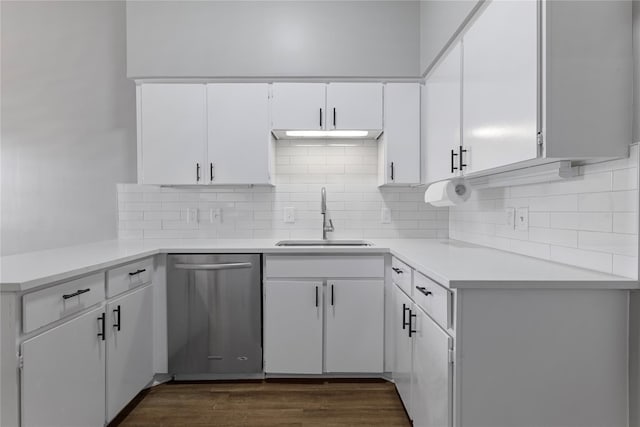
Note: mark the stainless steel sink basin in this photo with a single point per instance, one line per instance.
(324, 243)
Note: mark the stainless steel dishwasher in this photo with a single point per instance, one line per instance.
(214, 315)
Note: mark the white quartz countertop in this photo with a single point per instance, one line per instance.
(451, 263)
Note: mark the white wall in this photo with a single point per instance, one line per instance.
(590, 221)
(354, 201)
(68, 122)
(272, 38)
(440, 22)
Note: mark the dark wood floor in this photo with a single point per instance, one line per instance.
(273, 403)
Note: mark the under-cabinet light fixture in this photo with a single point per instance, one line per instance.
(327, 133)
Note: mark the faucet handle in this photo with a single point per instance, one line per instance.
(331, 225)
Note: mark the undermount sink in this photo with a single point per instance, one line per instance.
(324, 243)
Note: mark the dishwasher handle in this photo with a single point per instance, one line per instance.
(224, 266)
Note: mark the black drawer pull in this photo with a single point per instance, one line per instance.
(138, 272)
(424, 290)
(76, 293)
(397, 270)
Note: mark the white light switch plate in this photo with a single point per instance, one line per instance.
(215, 215)
(385, 216)
(289, 215)
(522, 219)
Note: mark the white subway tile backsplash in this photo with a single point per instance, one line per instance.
(589, 221)
(354, 201)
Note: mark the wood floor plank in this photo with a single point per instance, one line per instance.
(313, 403)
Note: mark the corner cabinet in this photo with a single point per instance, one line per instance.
(535, 87)
(399, 146)
(484, 356)
(314, 324)
(191, 134)
(63, 374)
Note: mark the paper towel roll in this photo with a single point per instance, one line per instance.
(447, 193)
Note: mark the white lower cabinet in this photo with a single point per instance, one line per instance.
(63, 374)
(402, 346)
(432, 377)
(129, 347)
(351, 313)
(293, 327)
(354, 314)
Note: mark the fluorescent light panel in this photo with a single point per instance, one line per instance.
(327, 133)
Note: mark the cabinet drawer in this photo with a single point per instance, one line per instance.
(50, 304)
(401, 275)
(308, 266)
(433, 299)
(129, 276)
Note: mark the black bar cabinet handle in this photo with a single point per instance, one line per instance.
(397, 270)
(211, 171)
(453, 154)
(460, 160)
(411, 330)
(320, 118)
(392, 178)
(76, 293)
(334, 116)
(404, 316)
(424, 290)
(316, 296)
(101, 332)
(133, 273)
(118, 322)
(198, 172)
(332, 299)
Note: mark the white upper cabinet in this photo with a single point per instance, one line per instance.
(239, 144)
(172, 130)
(500, 109)
(299, 106)
(399, 158)
(441, 112)
(538, 87)
(354, 106)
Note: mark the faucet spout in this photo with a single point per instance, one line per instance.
(323, 211)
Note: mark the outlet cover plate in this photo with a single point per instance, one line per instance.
(289, 215)
(385, 216)
(522, 219)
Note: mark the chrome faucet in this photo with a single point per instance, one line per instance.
(323, 210)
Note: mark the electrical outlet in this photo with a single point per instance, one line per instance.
(510, 218)
(522, 219)
(385, 216)
(289, 215)
(215, 215)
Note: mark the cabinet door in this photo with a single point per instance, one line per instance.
(500, 86)
(299, 106)
(355, 326)
(432, 379)
(441, 113)
(401, 138)
(173, 127)
(129, 348)
(239, 139)
(354, 106)
(293, 327)
(402, 359)
(63, 380)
